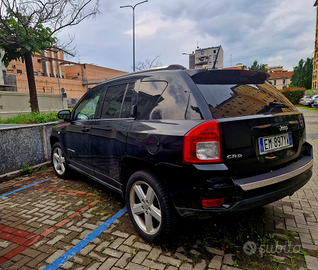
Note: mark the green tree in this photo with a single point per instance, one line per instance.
(27, 27)
(257, 67)
(302, 76)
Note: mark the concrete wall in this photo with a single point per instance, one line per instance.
(14, 103)
(28, 144)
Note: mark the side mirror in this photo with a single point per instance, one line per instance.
(64, 115)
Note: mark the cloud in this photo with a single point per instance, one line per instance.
(271, 32)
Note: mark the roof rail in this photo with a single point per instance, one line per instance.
(170, 67)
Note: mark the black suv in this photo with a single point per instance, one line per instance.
(184, 142)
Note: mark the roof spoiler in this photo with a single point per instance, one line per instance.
(219, 76)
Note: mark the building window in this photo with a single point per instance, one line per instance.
(215, 51)
(202, 52)
(10, 70)
(284, 82)
(19, 71)
(274, 82)
(35, 73)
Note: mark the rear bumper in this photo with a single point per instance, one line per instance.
(254, 191)
(297, 168)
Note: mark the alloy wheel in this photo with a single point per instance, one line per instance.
(145, 207)
(59, 161)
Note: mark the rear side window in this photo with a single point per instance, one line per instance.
(148, 96)
(176, 103)
(226, 100)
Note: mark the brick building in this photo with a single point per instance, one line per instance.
(52, 73)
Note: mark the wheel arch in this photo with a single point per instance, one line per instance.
(130, 165)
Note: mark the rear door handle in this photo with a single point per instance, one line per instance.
(85, 129)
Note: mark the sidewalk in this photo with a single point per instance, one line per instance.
(78, 224)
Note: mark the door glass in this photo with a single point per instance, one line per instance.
(113, 101)
(87, 107)
(130, 98)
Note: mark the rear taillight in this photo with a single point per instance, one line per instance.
(203, 144)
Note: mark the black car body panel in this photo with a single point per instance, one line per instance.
(139, 121)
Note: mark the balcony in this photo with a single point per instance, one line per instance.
(202, 60)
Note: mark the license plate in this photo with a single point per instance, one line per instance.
(274, 143)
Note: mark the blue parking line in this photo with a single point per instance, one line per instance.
(14, 191)
(60, 261)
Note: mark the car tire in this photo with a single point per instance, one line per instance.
(59, 161)
(312, 105)
(150, 207)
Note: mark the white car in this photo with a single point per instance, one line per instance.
(305, 100)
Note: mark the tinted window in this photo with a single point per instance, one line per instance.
(149, 94)
(86, 109)
(176, 104)
(244, 99)
(130, 98)
(113, 100)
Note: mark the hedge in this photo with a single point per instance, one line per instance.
(294, 94)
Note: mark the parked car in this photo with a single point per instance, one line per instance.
(190, 143)
(305, 100)
(315, 103)
(312, 101)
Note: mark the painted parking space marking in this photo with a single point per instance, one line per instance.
(64, 191)
(59, 262)
(19, 189)
(26, 239)
(8, 234)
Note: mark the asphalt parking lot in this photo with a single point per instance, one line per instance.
(50, 223)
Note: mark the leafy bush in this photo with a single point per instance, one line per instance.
(294, 94)
(311, 92)
(31, 118)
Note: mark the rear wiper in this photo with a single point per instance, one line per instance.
(277, 104)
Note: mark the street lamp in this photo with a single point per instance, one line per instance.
(133, 8)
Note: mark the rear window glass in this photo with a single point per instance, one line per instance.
(225, 100)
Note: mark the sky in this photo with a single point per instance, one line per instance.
(273, 32)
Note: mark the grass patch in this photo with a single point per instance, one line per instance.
(307, 108)
(31, 118)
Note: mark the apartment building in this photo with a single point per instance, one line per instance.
(281, 78)
(52, 73)
(205, 58)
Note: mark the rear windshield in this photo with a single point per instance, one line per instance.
(232, 100)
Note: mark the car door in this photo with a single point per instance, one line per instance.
(108, 134)
(77, 135)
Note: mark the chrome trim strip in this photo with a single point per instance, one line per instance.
(277, 179)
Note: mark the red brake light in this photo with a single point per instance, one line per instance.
(203, 144)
